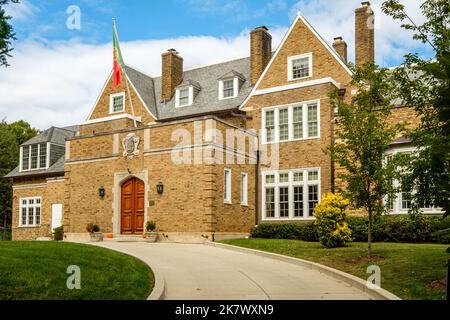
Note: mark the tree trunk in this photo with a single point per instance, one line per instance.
(369, 234)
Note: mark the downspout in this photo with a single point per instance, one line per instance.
(257, 188)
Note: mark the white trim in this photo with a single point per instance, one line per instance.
(227, 197)
(298, 85)
(100, 95)
(190, 96)
(30, 186)
(276, 109)
(38, 161)
(111, 118)
(244, 189)
(111, 102)
(20, 160)
(235, 88)
(286, 36)
(28, 206)
(290, 65)
(290, 184)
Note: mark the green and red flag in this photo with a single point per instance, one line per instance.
(119, 65)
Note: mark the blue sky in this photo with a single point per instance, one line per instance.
(139, 20)
(73, 64)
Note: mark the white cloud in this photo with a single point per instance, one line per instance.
(336, 18)
(22, 11)
(58, 83)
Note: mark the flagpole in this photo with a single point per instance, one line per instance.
(126, 79)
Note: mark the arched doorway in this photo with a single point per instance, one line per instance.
(132, 214)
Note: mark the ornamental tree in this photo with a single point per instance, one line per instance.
(363, 136)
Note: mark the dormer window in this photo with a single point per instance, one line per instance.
(186, 93)
(117, 103)
(34, 157)
(300, 67)
(183, 97)
(230, 84)
(228, 88)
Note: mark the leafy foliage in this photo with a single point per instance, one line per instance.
(6, 33)
(424, 85)
(12, 135)
(58, 234)
(398, 228)
(330, 214)
(150, 226)
(296, 231)
(363, 136)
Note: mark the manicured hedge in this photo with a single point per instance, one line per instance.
(399, 228)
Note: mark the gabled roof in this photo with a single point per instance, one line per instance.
(145, 88)
(53, 135)
(232, 74)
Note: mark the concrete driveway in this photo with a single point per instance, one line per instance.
(196, 271)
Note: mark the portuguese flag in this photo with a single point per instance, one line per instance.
(119, 65)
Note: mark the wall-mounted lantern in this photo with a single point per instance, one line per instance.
(101, 192)
(160, 188)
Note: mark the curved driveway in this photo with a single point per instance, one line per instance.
(196, 271)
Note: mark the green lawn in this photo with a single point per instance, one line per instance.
(37, 271)
(410, 271)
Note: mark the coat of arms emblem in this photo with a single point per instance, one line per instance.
(130, 146)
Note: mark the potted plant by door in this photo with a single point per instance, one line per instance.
(94, 231)
(151, 233)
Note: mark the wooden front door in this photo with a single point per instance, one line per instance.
(132, 207)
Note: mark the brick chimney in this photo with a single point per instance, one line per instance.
(364, 34)
(172, 73)
(260, 52)
(341, 48)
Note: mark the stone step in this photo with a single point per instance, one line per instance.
(124, 239)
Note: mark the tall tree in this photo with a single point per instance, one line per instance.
(12, 136)
(425, 86)
(7, 34)
(364, 134)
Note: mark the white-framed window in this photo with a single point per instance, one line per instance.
(402, 201)
(184, 96)
(300, 67)
(290, 194)
(117, 103)
(227, 186)
(244, 189)
(228, 88)
(299, 121)
(30, 212)
(34, 157)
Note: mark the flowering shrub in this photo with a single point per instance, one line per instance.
(330, 214)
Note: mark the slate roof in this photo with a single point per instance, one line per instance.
(207, 98)
(53, 135)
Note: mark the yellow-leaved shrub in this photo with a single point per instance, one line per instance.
(331, 214)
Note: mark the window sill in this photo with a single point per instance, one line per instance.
(287, 219)
(228, 98)
(227, 202)
(294, 140)
(29, 227)
(297, 79)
